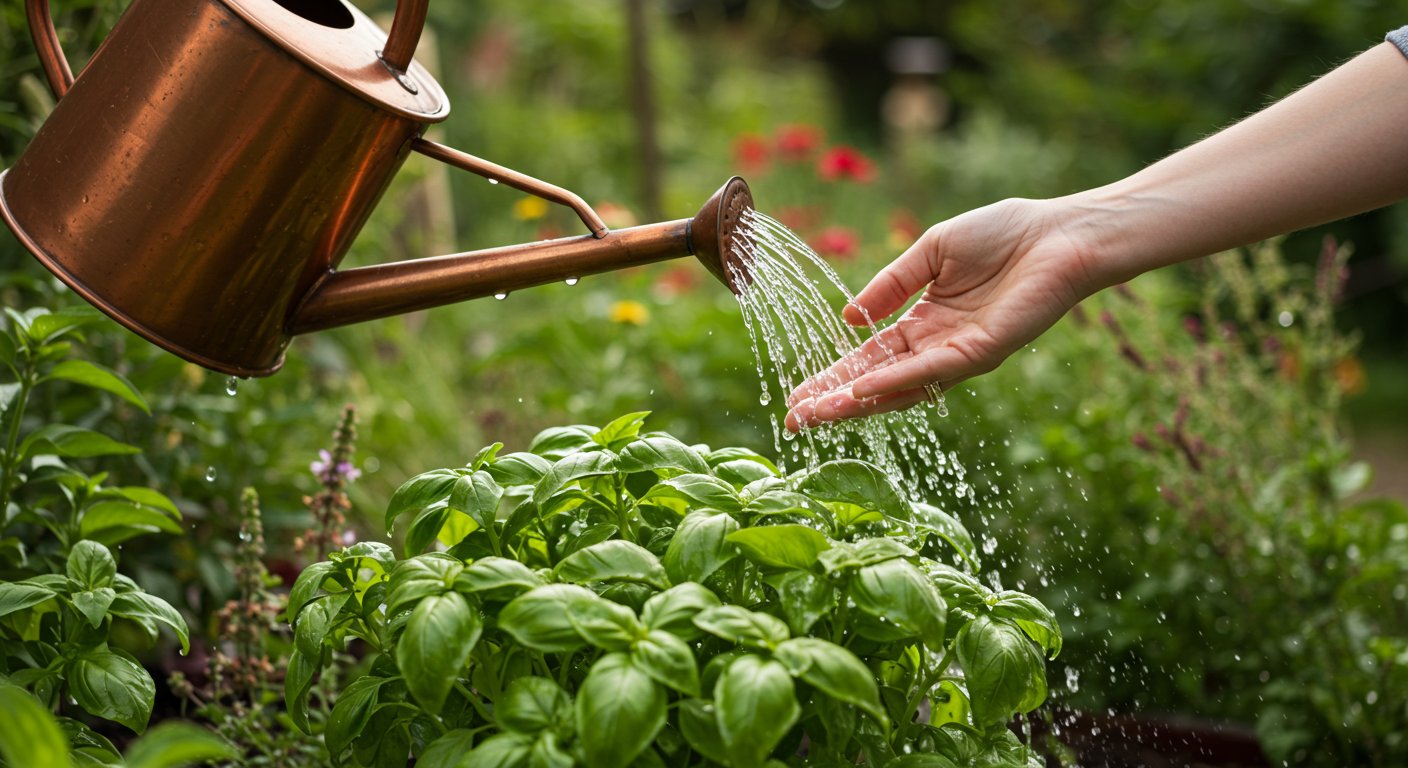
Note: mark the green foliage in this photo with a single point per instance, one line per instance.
(61, 595)
(668, 640)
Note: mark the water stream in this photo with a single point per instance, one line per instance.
(797, 333)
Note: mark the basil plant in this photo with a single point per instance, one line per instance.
(614, 597)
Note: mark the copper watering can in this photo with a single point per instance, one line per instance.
(204, 175)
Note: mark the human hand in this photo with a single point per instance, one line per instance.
(997, 277)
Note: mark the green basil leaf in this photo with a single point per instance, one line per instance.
(17, 597)
(668, 660)
(699, 491)
(314, 621)
(1004, 671)
(142, 607)
(349, 716)
(111, 685)
(573, 466)
(93, 604)
(100, 520)
(420, 492)
(308, 584)
(436, 645)
(805, 597)
(664, 455)
(519, 469)
(420, 577)
(674, 609)
(616, 560)
(426, 526)
(451, 750)
(878, 550)
(779, 501)
(921, 761)
(724, 455)
(949, 704)
(755, 705)
(486, 456)
(497, 578)
(546, 753)
(620, 431)
(835, 671)
(931, 519)
(477, 495)
(538, 618)
(700, 546)
(90, 565)
(781, 546)
(8, 392)
(72, 442)
(958, 588)
(860, 484)
(382, 558)
(741, 472)
(28, 734)
(700, 728)
(619, 710)
(557, 442)
(737, 624)
(898, 592)
(96, 376)
(1033, 618)
(590, 536)
(605, 624)
(503, 750)
(175, 744)
(298, 682)
(533, 704)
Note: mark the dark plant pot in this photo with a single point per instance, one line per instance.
(1154, 741)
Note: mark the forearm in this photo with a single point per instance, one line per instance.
(1335, 148)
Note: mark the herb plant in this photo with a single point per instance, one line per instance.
(613, 597)
(60, 590)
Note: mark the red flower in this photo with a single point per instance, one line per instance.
(677, 280)
(797, 142)
(837, 242)
(842, 162)
(750, 153)
(797, 217)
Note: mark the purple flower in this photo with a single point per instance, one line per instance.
(325, 470)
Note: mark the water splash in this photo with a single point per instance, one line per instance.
(796, 334)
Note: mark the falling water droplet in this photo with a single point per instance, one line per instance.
(571, 281)
(501, 295)
(232, 386)
(765, 398)
(210, 474)
(1285, 319)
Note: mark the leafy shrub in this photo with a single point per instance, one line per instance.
(612, 597)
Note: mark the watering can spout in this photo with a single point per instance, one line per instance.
(368, 293)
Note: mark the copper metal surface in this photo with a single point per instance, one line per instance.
(512, 178)
(46, 45)
(406, 27)
(197, 180)
(206, 172)
(368, 293)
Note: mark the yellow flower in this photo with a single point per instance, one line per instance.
(629, 313)
(530, 208)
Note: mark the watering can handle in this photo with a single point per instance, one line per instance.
(401, 42)
(46, 44)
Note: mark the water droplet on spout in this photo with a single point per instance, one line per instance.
(571, 280)
(501, 295)
(232, 386)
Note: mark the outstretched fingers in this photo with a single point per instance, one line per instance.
(842, 404)
(884, 348)
(894, 285)
(947, 363)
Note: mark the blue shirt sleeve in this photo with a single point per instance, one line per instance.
(1399, 37)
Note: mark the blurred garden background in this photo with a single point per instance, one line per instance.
(1203, 472)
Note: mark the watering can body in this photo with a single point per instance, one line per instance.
(203, 176)
(198, 178)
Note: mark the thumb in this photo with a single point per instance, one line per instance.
(897, 282)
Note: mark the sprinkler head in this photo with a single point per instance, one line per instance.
(713, 230)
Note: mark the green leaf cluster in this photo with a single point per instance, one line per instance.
(615, 597)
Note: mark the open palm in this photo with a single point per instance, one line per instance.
(996, 278)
